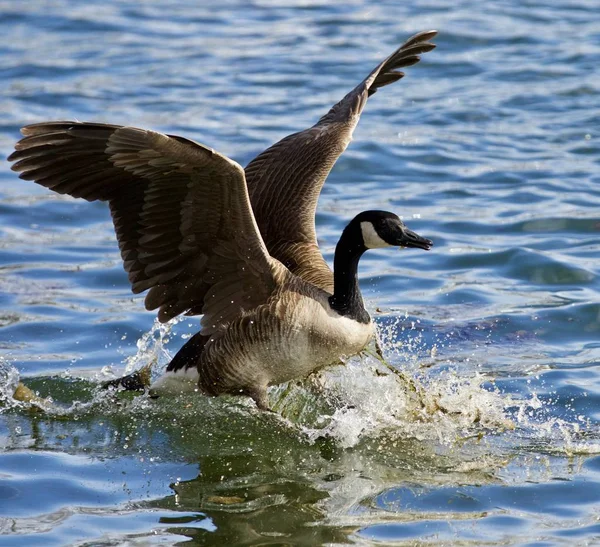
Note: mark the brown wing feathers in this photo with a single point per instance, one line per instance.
(285, 180)
(180, 210)
(406, 55)
(183, 221)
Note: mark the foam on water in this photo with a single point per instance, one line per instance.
(407, 398)
(9, 380)
(366, 398)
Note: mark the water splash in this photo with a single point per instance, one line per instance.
(366, 399)
(9, 380)
(408, 396)
(151, 349)
(417, 394)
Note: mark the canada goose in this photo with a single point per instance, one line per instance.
(203, 236)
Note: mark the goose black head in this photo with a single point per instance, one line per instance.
(384, 229)
(368, 230)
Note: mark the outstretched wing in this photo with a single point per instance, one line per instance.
(181, 213)
(284, 182)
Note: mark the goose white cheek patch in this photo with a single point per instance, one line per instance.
(371, 237)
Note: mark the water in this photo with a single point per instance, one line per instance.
(489, 434)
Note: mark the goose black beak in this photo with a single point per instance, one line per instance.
(411, 239)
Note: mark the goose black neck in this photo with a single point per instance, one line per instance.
(347, 299)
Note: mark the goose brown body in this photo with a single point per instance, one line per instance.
(205, 237)
(291, 336)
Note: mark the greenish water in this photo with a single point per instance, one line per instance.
(489, 433)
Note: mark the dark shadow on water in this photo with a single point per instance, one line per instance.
(259, 509)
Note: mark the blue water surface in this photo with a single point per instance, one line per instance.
(490, 147)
